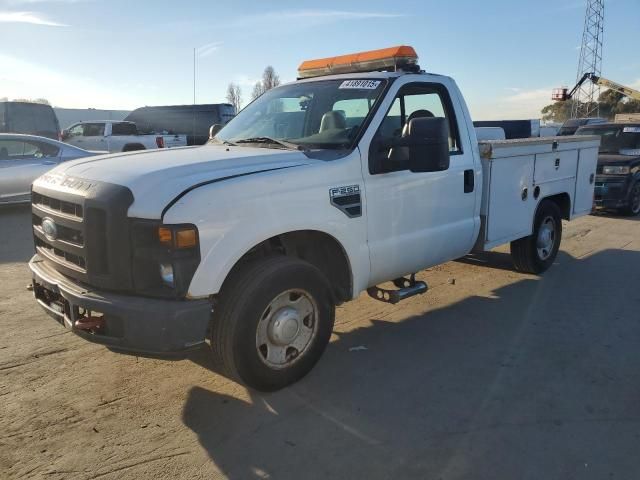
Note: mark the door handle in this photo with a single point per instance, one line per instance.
(469, 181)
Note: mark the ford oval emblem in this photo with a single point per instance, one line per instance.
(49, 228)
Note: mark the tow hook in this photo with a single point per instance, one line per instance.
(90, 324)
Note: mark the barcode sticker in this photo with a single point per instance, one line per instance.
(360, 84)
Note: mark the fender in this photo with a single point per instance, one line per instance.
(235, 215)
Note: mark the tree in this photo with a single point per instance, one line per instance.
(557, 112)
(270, 79)
(42, 101)
(234, 96)
(610, 103)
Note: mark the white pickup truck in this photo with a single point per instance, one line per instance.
(317, 191)
(113, 136)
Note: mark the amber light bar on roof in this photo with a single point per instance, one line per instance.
(394, 58)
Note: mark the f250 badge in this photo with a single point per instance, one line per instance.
(347, 199)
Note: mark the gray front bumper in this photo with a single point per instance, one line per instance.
(131, 323)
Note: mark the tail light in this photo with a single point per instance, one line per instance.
(160, 142)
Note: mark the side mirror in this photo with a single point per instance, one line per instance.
(64, 135)
(214, 129)
(428, 143)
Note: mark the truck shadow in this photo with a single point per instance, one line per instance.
(616, 215)
(490, 259)
(16, 239)
(493, 386)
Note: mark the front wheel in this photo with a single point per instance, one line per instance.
(537, 252)
(272, 323)
(633, 208)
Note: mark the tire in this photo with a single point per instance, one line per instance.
(133, 147)
(528, 255)
(633, 208)
(260, 306)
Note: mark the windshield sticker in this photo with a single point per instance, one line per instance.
(631, 130)
(360, 84)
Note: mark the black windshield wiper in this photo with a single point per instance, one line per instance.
(223, 142)
(271, 141)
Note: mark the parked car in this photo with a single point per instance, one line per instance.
(117, 137)
(23, 158)
(29, 118)
(569, 127)
(317, 191)
(618, 173)
(190, 120)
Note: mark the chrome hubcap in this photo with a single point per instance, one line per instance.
(546, 238)
(286, 329)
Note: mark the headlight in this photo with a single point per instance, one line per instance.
(166, 273)
(165, 258)
(615, 170)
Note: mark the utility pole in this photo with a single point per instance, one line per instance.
(193, 130)
(585, 100)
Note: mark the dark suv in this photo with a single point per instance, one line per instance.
(618, 173)
(29, 118)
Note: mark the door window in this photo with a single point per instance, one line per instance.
(75, 131)
(93, 129)
(123, 128)
(415, 100)
(26, 150)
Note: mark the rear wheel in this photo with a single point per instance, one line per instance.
(633, 208)
(537, 252)
(272, 323)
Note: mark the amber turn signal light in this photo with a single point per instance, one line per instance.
(165, 235)
(186, 238)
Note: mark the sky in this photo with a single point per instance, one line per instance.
(505, 55)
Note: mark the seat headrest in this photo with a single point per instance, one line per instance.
(332, 120)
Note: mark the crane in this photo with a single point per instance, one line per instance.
(563, 94)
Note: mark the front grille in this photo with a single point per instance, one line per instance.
(55, 205)
(84, 234)
(59, 255)
(67, 246)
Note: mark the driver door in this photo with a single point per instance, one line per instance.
(417, 220)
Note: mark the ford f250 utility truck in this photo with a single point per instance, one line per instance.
(363, 172)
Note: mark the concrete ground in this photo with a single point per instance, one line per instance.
(491, 375)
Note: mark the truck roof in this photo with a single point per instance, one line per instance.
(364, 75)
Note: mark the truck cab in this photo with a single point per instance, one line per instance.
(618, 175)
(354, 178)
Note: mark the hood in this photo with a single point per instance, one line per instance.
(617, 159)
(157, 177)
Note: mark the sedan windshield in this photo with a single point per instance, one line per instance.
(327, 114)
(615, 139)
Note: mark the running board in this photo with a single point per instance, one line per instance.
(407, 287)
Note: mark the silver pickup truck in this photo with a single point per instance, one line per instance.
(118, 137)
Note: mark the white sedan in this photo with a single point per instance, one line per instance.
(23, 158)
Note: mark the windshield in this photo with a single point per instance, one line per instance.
(326, 114)
(615, 139)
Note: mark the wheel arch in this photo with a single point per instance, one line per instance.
(562, 200)
(133, 147)
(318, 248)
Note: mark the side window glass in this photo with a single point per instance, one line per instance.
(93, 129)
(75, 131)
(11, 150)
(20, 150)
(354, 110)
(123, 129)
(413, 101)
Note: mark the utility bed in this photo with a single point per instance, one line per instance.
(518, 172)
